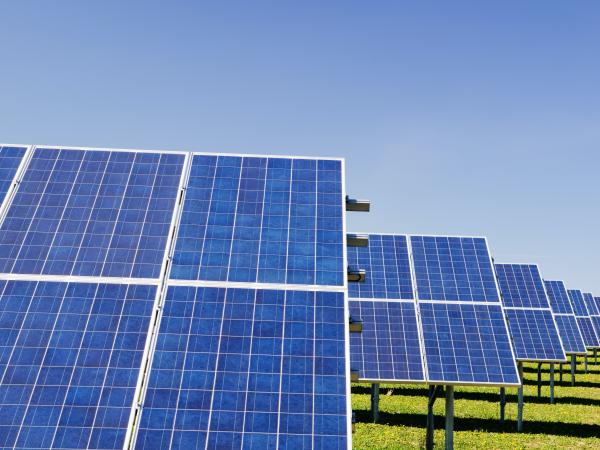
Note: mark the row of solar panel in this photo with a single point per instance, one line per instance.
(108, 213)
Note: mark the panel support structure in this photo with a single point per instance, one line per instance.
(552, 383)
(502, 404)
(375, 402)
(560, 369)
(539, 380)
(520, 400)
(449, 442)
(434, 391)
(573, 364)
(585, 363)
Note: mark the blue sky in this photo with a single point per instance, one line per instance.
(454, 117)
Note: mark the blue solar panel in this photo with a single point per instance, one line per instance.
(386, 262)
(246, 368)
(96, 213)
(273, 220)
(10, 159)
(70, 357)
(570, 334)
(587, 331)
(521, 286)
(590, 304)
(535, 335)
(467, 343)
(576, 297)
(453, 268)
(388, 348)
(559, 299)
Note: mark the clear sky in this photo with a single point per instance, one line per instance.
(454, 117)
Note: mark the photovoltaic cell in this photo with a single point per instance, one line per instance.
(467, 343)
(247, 368)
(70, 357)
(535, 335)
(386, 262)
(252, 219)
(95, 213)
(569, 333)
(521, 286)
(453, 268)
(388, 347)
(558, 296)
(10, 159)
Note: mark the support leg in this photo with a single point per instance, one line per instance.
(520, 401)
(502, 404)
(552, 383)
(585, 363)
(430, 417)
(375, 402)
(539, 379)
(560, 368)
(595, 356)
(573, 363)
(449, 443)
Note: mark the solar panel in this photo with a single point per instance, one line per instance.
(250, 317)
(559, 298)
(465, 334)
(594, 313)
(272, 220)
(534, 333)
(92, 213)
(570, 334)
(584, 321)
(388, 348)
(576, 297)
(70, 355)
(248, 368)
(10, 159)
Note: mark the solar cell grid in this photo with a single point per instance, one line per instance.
(590, 304)
(570, 334)
(576, 297)
(386, 261)
(559, 298)
(388, 348)
(587, 331)
(535, 335)
(251, 219)
(521, 286)
(10, 159)
(70, 355)
(453, 268)
(247, 368)
(94, 213)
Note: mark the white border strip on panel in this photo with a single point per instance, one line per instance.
(254, 285)
(150, 345)
(18, 177)
(78, 279)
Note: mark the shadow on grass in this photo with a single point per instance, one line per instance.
(566, 371)
(511, 396)
(486, 425)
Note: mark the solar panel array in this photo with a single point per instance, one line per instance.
(594, 313)
(156, 299)
(564, 315)
(533, 329)
(584, 320)
(459, 325)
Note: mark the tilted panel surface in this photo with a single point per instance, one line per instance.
(97, 213)
(246, 368)
(576, 297)
(262, 219)
(559, 298)
(569, 333)
(70, 356)
(388, 347)
(10, 159)
(590, 304)
(386, 262)
(534, 334)
(521, 286)
(587, 331)
(453, 268)
(467, 343)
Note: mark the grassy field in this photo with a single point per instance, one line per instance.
(572, 422)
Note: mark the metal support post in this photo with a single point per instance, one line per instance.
(375, 402)
(502, 404)
(552, 383)
(561, 371)
(449, 442)
(585, 363)
(433, 391)
(573, 364)
(539, 380)
(520, 400)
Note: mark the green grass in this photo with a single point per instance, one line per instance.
(572, 422)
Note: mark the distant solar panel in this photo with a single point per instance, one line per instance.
(558, 296)
(464, 330)
(587, 331)
(10, 159)
(570, 334)
(453, 268)
(594, 313)
(386, 261)
(388, 348)
(247, 368)
(576, 297)
(272, 220)
(535, 335)
(96, 213)
(70, 355)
